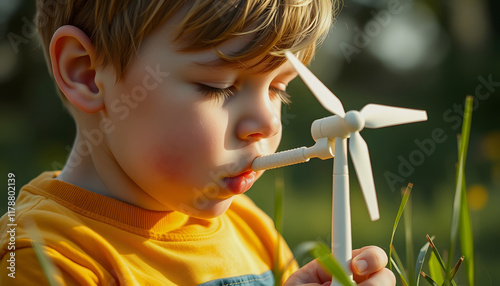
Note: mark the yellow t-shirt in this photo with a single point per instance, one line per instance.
(96, 240)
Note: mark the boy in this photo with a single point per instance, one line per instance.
(172, 100)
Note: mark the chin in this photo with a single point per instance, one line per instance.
(213, 209)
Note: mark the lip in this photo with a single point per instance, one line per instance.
(240, 183)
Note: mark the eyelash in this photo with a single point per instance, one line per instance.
(225, 93)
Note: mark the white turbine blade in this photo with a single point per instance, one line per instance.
(327, 99)
(361, 161)
(377, 115)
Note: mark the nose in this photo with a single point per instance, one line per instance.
(260, 117)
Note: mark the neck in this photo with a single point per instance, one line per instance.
(97, 171)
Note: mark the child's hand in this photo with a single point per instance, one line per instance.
(368, 267)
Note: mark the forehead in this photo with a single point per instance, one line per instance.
(210, 57)
(165, 40)
(243, 50)
(258, 65)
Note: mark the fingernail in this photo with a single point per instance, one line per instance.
(360, 266)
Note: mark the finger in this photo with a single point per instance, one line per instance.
(383, 277)
(367, 260)
(356, 252)
(312, 273)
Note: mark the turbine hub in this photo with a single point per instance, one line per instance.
(354, 121)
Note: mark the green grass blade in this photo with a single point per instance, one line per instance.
(420, 262)
(466, 237)
(446, 281)
(304, 248)
(398, 265)
(402, 206)
(321, 251)
(455, 269)
(403, 280)
(435, 269)
(48, 267)
(429, 279)
(324, 256)
(436, 253)
(462, 155)
(410, 267)
(279, 190)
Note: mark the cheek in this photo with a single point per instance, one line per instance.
(187, 150)
(174, 159)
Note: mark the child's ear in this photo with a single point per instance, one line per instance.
(74, 67)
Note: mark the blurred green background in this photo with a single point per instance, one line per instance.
(417, 54)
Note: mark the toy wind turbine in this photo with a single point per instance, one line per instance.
(332, 133)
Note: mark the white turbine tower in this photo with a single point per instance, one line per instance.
(332, 133)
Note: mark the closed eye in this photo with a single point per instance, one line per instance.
(214, 92)
(282, 95)
(225, 93)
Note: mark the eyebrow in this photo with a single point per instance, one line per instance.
(217, 64)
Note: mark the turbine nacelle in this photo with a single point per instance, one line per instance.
(337, 127)
(354, 121)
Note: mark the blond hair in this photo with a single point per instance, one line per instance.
(117, 28)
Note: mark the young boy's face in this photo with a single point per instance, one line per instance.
(186, 133)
